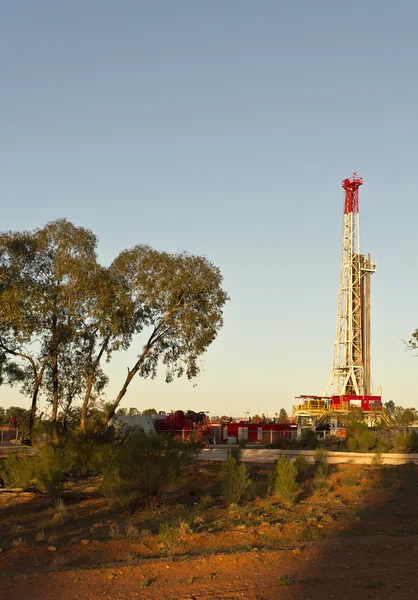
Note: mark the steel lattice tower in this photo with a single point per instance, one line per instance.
(351, 370)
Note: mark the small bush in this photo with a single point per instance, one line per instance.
(235, 452)
(47, 432)
(411, 441)
(144, 469)
(384, 445)
(60, 510)
(206, 501)
(169, 538)
(283, 480)
(351, 444)
(79, 450)
(377, 460)
(17, 470)
(49, 469)
(286, 580)
(257, 489)
(301, 466)
(321, 470)
(235, 481)
(367, 440)
(404, 443)
(309, 439)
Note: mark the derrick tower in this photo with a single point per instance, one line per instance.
(351, 369)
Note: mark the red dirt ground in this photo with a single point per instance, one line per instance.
(356, 538)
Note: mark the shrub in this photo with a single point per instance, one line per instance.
(257, 489)
(367, 440)
(351, 444)
(411, 441)
(79, 449)
(169, 537)
(206, 501)
(283, 480)
(309, 439)
(235, 481)
(47, 432)
(384, 445)
(17, 469)
(236, 452)
(301, 466)
(377, 460)
(49, 469)
(321, 470)
(144, 469)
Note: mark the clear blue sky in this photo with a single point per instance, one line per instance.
(225, 127)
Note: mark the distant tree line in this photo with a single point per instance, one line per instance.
(63, 315)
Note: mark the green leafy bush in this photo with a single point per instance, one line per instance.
(143, 470)
(377, 460)
(309, 439)
(17, 469)
(235, 452)
(49, 468)
(367, 441)
(283, 480)
(351, 444)
(78, 453)
(47, 432)
(169, 538)
(321, 470)
(405, 443)
(384, 445)
(301, 466)
(235, 481)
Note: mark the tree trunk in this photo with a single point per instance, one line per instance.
(37, 384)
(84, 407)
(33, 406)
(121, 394)
(54, 370)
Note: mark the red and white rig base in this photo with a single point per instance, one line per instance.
(349, 386)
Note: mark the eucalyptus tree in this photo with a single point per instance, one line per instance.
(177, 302)
(46, 295)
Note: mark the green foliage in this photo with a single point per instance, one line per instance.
(179, 302)
(149, 412)
(17, 469)
(351, 444)
(283, 480)
(169, 538)
(49, 470)
(355, 424)
(390, 406)
(384, 445)
(47, 432)
(235, 452)
(404, 417)
(22, 416)
(286, 580)
(309, 439)
(283, 416)
(321, 468)
(367, 440)
(301, 466)
(377, 460)
(79, 450)
(144, 469)
(241, 443)
(235, 481)
(405, 443)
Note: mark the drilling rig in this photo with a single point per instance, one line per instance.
(349, 387)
